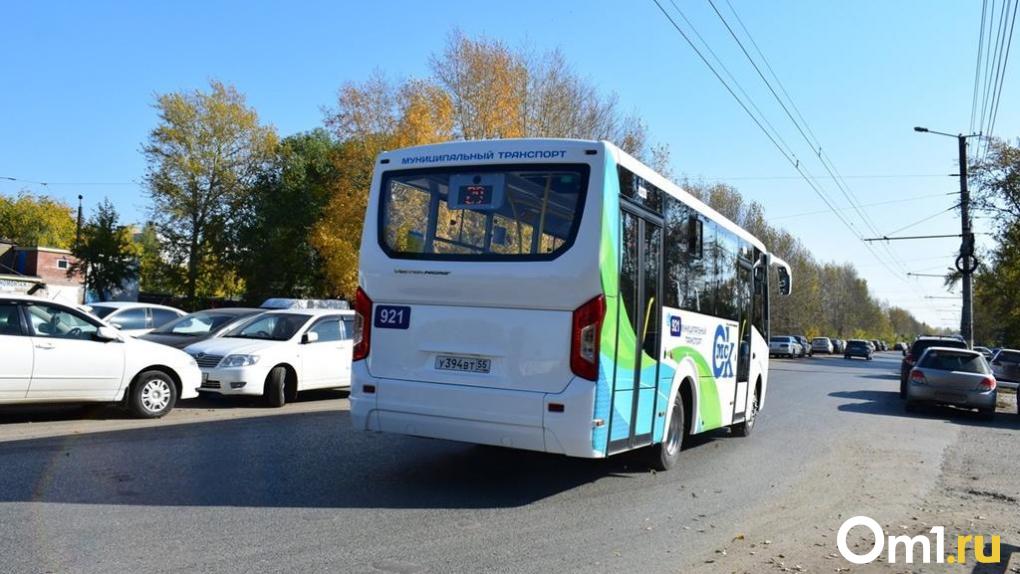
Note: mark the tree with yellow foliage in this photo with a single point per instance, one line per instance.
(479, 89)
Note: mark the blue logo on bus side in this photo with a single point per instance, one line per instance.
(675, 326)
(722, 358)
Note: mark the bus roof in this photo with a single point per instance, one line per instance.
(548, 149)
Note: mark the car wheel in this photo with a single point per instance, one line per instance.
(153, 395)
(910, 406)
(665, 455)
(903, 390)
(847, 357)
(987, 414)
(747, 427)
(275, 394)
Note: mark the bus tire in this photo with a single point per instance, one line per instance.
(665, 455)
(275, 393)
(747, 427)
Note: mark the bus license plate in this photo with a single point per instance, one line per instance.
(465, 364)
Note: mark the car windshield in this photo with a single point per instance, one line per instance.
(271, 326)
(858, 344)
(197, 324)
(779, 340)
(101, 311)
(1008, 357)
(820, 340)
(482, 212)
(965, 362)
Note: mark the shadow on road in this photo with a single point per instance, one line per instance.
(889, 403)
(38, 413)
(1006, 552)
(304, 460)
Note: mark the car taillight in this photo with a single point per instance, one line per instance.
(909, 358)
(918, 377)
(362, 325)
(584, 338)
(987, 385)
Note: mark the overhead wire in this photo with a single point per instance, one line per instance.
(812, 141)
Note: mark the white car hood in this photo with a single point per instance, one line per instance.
(229, 346)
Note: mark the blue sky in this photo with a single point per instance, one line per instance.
(79, 80)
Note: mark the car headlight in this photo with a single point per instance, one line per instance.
(239, 360)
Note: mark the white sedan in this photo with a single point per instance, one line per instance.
(134, 318)
(57, 353)
(279, 353)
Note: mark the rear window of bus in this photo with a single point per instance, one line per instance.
(482, 212)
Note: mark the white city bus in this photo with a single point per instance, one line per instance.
(557, 296)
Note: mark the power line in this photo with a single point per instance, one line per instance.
(812, 141)
(861, 176)
(790, 157)
(926, 219)
(69, 183)
(1005, 60)
(890, 202)
(977, 68)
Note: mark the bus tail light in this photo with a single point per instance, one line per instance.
(362, 325)
(585, 336)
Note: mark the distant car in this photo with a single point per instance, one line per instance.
(805, 346)
(985, 351)
(199, 326)
(58, 353)
(920, 345)
(1006, 367)
(858, 348)
(821, 345)
(279, 353)
(784, 346)
(875, 346)
(954, 376)
(838, 346)
(900, 347)
(134, 318)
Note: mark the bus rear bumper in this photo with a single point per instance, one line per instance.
(499, 417)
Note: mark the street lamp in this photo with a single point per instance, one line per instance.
(966, 263)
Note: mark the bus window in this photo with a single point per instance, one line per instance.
(537, 210)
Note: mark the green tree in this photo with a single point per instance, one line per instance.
(997, 282)
(36, 221)
(105, 255)
(154, 276)
(204, 158)
(275, 255)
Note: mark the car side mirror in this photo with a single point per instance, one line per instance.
(309, 337)
(107, 334)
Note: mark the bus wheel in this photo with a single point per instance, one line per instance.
(665, 455)
(747, 427)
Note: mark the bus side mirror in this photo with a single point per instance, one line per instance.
(784, 281)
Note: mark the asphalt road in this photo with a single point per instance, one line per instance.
(225, 487)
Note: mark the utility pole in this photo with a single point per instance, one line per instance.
(966, 263)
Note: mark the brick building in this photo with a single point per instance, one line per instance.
(41, 270)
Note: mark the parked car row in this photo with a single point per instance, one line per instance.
(61, 353)
(798, 346)
(945, 370)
